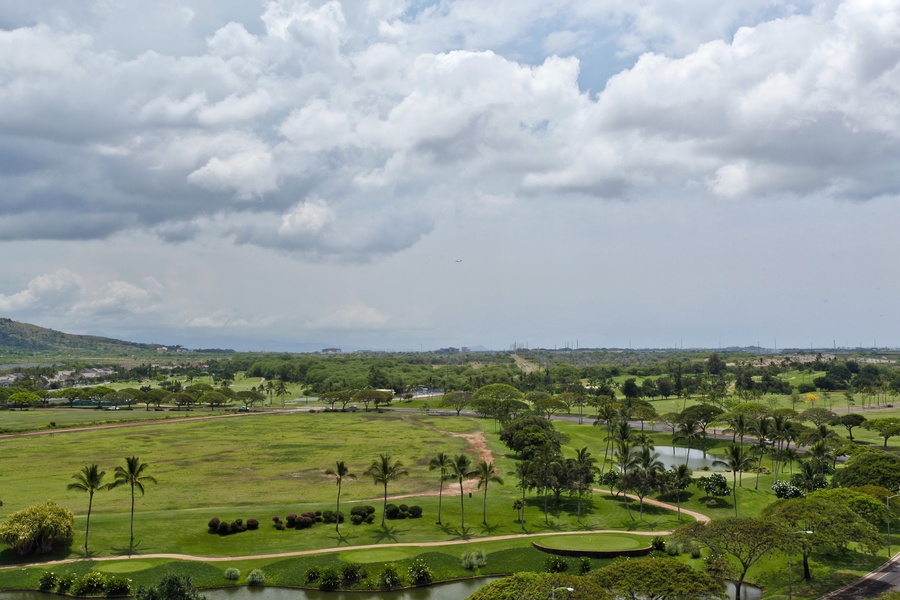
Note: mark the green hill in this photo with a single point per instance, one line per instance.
(23, 337)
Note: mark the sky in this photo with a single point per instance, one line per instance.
(289, 175)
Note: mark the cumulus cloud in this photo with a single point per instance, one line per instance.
(346, 129)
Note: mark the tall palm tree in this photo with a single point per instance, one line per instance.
(762, 428)
(523, 473)
(688, 431)
(441, 461)
(607, 414)
(486, 472)
(582, 472)
(680, 478)
(339, 472)
(383, 471)
(736, 459)
(460, 470)
(646, 474)
(132, 475)
(281, 390)
(89, 479)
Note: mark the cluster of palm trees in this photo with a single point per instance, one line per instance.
(385, 470)
(90, 479)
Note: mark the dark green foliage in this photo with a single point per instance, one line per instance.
(420, 573)
(525, 585)
(117, 585)
(213, 525)
(389, 579)
(556, 564)
(313, 573)
(48, 581)
(256, 577)
(90, 584)
(872, 467)
(655, 577)
(329, 579)
(584, 565)
(171, 587)
(38, 529)
(352, 573)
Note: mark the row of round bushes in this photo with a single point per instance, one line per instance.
(215, 525)
(330, 578)
(392, 511)
(89, 584)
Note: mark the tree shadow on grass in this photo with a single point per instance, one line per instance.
(489, 529)
(456, 533)
(386, 534)
(127, 550)
(340, 539)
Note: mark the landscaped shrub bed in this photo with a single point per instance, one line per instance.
(220, 527)
(392, 511)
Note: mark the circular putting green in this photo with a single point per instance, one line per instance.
(376, 555)
(607, 542)
(128, 566)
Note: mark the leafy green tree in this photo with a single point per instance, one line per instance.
(831, 522)
(656, 578)
(89, 479)
(368, 396)
(213, 399)
(383, 470)
(441, 462)
(461, 469)
(849, 421)
(744, 538)
(737, 459)
(281, 390)
(339, 472)
(887, 427)
(549, 406)
(486, 473)
(689, 433)
(133, 475)
(871, 467)
(38, 529)
(456, 400)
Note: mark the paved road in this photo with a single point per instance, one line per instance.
(871, 585)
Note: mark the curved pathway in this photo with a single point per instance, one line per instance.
(696, 515)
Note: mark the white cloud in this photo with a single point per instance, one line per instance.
(53, 291)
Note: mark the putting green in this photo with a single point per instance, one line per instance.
(376, 555)
(125, 566)
(594, 541)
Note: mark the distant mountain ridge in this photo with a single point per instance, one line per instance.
(31, 338)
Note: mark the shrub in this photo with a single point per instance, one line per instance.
(313, 573)
(237, 526)
(170, 586)
(415, 511)
(276, 519)
(279, 526)
(290, 520)
(404, 508)
(224, 528)
(363, 511)
(48, 581)
(329, 579)
(785, 489)
(584, 565)
(256, 577)
(695, 552)
(658, 543)
(672, 549)
(556, 564)
(473, 559)
(232, 574)
(303, 523)
(370, 519)
(213, 525)
(389, 578)
(318, 513)
(329, 516)
(352, 573)
(356, 519)
(116, 585)
(38, 529)
(66, 581)
(252, 524)
(391, 511)
(90, 584)
(420, 573)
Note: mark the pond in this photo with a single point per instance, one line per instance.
(672, 455)
(442, 591)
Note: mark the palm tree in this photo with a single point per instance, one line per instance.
(762, 428)
(606, 413)
(523, 473)
(281, 390)
(646, 474)
(461, 469)
(688, 431)
(736, 459)
(679, 479)
(441, 461)
(583, 471)
(383, 471)
(132, 475)
(486, 472)
(339, 472)
(89, 479)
